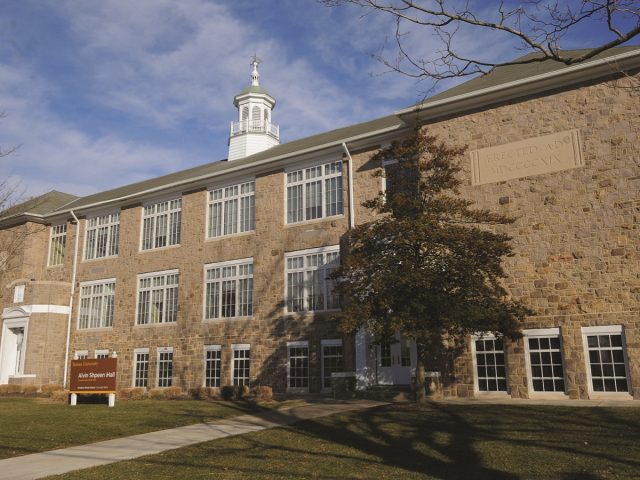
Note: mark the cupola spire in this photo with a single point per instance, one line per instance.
(255, 76)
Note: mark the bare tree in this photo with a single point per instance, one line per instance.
(7, 151)
(536, 26)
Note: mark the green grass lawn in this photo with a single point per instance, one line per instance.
(403, 442)
(29, 425)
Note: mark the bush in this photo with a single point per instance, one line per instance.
(47, 390)
(29, 390)
(262, 393)
(198, 393)
(10, 389)
(61, 396)
(213, 393)
(136, 393)
(157, 393)
(234, 392)
(173, 393)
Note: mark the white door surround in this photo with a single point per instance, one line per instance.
(13, 345)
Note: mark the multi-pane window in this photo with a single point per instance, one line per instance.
(57, 244)
(102, 354)
(96, 304)
(232, 210)
(165, 366)
(102, 236)
(308, 284)
(161, 224)
(81, 354)
(241, 364)
(298, 371)
(158, 297)
(212, 365)
(331, 360)
(545, 361)
(314, 192)
(141, 367)
(385, 354)
(607, 366)
(490, 364)
(229, 289)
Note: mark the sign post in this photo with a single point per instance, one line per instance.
(94, 376)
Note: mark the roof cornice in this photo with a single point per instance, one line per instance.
(527, 86)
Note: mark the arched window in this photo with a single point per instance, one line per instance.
(255, 114)
(266, 115)
(245, 113)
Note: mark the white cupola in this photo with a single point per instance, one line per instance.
(253, 132)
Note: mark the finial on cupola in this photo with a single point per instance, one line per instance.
(255, 76)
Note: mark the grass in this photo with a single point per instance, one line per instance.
(29, 425)
(440, 442)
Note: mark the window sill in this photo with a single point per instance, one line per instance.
(227, 319)
(23, 375)
(56, 266)
(159, 249)
(314, 221)
(91, 260)
(152, 325)
(93, 330)
(610, 395)
(297, 390)
(312, 312)
(229, 236)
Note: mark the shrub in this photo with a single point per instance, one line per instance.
(29, 390)
(197, 393)
(136, 393)
(10, 389)
(242, 392)
(173, 393)
(213, 393)
(157, 393)
(47, 390)
(61, 396)
(262, 393)
(228, 392)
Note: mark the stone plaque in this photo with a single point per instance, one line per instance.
(534, 156)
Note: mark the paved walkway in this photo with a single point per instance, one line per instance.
(56, 462)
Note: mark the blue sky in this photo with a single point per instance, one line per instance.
(101, 93)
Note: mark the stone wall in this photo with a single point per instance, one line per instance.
(576, 244)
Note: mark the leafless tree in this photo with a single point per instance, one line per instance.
(534, 26)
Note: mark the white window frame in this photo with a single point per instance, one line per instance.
(159, 352)
(212, 348)
(92, 298)
(543, 333)
(302, 180)
(170, 210)
(102, 352)
(81, 355)
(325, 267)
(222, 196)
(337, 342)
(476, 385)
(110, 222)
(141, 351)
(383, 179)
(238, 278)
(235, 347)
(18, 294)
(298, 344)
(58, 233)
(605, 330)
(165, 303)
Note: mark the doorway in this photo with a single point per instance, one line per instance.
(396, 361)
(12, 348)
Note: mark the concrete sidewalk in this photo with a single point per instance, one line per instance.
(56, 462)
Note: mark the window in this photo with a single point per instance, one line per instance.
(400, 178)
(212, 365)
(102, 236)
(18, 294)
(490, 364)
(229, 289)
(96, 304)
(241, 364)
(331, 360)
(158, 297)
(232, 210)
(298, 366)
(385, 353)
(81, 354)
(141, 373)
(545, 360)
(161, 224)
(308, 284)
(314, 192)
(102, 353)
(57, 245)
(165, 366)
(605, 357)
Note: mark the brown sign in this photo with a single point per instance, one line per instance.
(93, 376)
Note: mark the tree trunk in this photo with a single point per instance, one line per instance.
(421, 384)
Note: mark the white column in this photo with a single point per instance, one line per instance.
(361, 360)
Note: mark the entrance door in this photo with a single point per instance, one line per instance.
(12, 349)
(395, 361)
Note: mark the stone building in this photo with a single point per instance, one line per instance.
(218, 274)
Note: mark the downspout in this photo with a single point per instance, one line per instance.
(73, 288)
(352, 219)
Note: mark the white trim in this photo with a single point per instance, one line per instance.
(604, 330)
(102, 297)
(166, 198)
(205, 350)
(18, 293)
(541, 332)
(101, 351)
(298, 344)
(80, 353)
(208, 203)
(476, 386)
(160, 351)
(611, 329)
(544, 333)
(109, 227)
(26, 310)
(140, 276)
(240, 346)
(164, 349)
(332, 342)
(301, 343)
(211, 348)
(325, 249)
(337, 342)
(207, 266)
(15, 322)
(141, 350)
(58, 235)
(136, 351)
